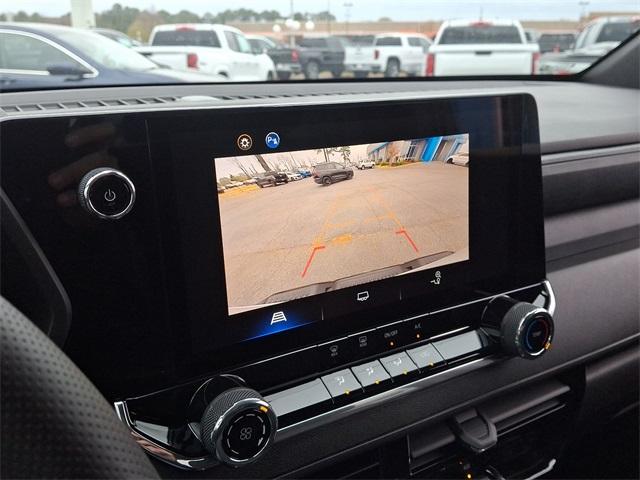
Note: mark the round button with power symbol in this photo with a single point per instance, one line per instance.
(106, 193)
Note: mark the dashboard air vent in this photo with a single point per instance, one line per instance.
(105, 103)
(27, 108)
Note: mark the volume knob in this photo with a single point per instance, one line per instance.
(521, 328)
(238, 426)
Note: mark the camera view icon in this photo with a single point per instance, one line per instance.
(362, 296)
(278, 317)
(272, 140)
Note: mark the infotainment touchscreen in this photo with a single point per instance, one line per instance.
(297, 224)
(292, 226)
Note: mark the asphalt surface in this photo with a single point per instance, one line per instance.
(301, 233)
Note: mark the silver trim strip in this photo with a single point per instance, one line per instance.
(544, 471)
(159, 451)
(551, 297)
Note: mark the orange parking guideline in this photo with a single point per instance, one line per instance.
(313, 254)
(409, 239)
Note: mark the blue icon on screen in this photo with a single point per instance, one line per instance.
(272, 140)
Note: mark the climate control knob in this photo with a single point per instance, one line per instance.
(106, 193)
(238, 426)
(521, 328)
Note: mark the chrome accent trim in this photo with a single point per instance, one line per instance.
(16, 71)
(446, 334)
(518, 337)
(159, 451)
(282, 355)
(93, 71)
(104, 172)
(544, 471)
(550, 304)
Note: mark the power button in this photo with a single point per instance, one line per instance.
(106, 193)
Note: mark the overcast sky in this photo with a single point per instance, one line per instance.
(416, 10)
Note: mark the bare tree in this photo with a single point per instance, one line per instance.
(263, 162)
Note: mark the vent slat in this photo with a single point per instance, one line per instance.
(119, 102)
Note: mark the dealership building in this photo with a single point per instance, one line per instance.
(417, 150)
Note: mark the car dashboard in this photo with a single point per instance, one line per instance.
(421, 318)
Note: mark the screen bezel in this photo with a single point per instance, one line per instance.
(505, 217)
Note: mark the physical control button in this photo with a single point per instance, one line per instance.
(335, 352)
(426, 357)
(459, 345)
(301, 398)
(342, 384)
(399, 365)
(363, 344)
(371, 374)
(237, 426)
(392, 336)
(521, 328)
(106, 193)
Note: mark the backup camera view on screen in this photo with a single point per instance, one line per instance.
(302, 223)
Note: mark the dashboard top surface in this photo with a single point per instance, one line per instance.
(573, 115)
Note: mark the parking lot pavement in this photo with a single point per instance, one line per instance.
(301, 233)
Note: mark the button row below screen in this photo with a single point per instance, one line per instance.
(349, 384)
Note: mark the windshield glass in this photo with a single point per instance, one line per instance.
(105, 51)
(294, 40)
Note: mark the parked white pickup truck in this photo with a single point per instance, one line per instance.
(208, 48)
(497, 47)
(390, 53)
(594, 41)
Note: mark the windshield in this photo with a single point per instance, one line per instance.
(315, 40)
(105, 51)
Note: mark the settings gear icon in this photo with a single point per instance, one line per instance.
(244, 142)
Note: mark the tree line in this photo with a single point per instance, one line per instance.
(138, 23)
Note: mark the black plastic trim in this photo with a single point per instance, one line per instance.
(58, 323)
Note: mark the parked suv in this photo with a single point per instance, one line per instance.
(365, 164)
(271, 179)
(327, 173)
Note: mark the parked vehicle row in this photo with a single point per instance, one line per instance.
(44, 55)
(208, 48)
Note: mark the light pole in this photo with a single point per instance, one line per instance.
(347, 15)
(583, 11)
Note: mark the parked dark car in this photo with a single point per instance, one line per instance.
(556, 42)
(34, 55)
(271, 179)
(119, 37)
(311, 57)
(330, 172)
